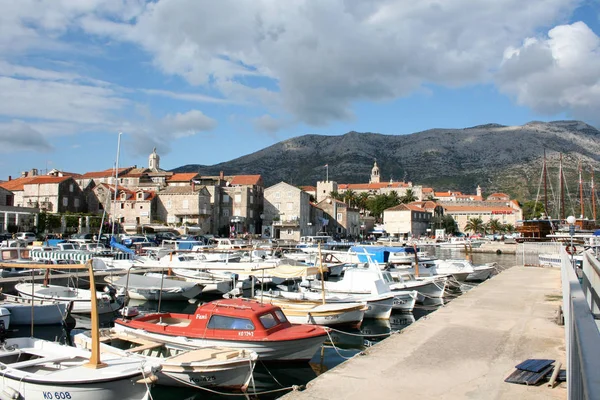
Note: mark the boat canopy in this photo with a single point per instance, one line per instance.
(293, 271)
(380, 254)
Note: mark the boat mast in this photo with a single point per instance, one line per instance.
(593, 197)
(114, 213)
(562, 190)
(581, 192)
(545, 173)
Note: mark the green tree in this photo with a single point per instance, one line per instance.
(361, 201)
(475, 225)
(350, 197)
(377, 204)
(494, 225)
(409, 196)
(336, 195)
(532, 209)
(509, 228)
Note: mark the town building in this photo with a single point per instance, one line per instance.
(343, 220)
(407, 220)
(287, 212)
(185, 207)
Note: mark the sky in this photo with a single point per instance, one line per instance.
(205, 82)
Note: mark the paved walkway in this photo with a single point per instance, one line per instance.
(462, 351)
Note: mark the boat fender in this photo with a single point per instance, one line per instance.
(571, 249)
(9, 393)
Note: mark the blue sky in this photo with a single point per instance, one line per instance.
(205, 82)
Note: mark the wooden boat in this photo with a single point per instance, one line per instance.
(235, 323)
(32, 368)
(316, 312)
(45, 312)
(155, 287)
(206, 367)
(81, 298)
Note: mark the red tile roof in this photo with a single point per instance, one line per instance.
(473, 208)
(246, 180)
(405, 207)
(182, 177)
(308, 188)
(106, 173)
(19, 183)
(371, 186)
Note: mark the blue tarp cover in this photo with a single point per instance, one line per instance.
(119, 246)
(379, 254)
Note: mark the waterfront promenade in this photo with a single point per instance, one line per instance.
(464, 350)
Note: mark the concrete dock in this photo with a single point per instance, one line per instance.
(464, 350)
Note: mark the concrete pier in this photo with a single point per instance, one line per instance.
(464, 350)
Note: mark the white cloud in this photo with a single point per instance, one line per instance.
(324, 56)
(161, 133)
(186, 124)
(20, 136)
(560, 73)
(267, 123)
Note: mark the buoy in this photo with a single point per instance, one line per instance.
(571, 249)
(498, 251)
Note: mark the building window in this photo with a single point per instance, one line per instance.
(290, 206)
(238, 198)
(277, 195)
(65, 201)
(289, 231)
(237, 212)
(278, 206)
(169, 203)
(71, 188)
(339, 216)
(76, 202)
(225, 198)
(226, 212)
(251, 199)
(185, 204)
(251, 213)
(122, 206)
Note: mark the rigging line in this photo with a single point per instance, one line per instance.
(537, 196)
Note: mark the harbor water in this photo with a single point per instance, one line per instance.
(275, 379)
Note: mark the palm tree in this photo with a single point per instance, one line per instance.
(494, 225)
(409, 196)
(475, 225)
(350, 197)
(361, 201)
(509, 228)
(335, 195)
(393, 197)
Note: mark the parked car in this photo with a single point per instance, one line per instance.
(29, 237)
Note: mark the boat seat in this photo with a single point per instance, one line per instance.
(148, 346)
(41, 360)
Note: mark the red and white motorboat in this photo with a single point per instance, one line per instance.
(235, 323)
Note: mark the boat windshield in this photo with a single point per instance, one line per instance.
(268, 320)
(223, 322)
(280, 316)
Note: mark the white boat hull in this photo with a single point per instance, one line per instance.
(404, 300)
(481, 273)
(79, 297)
(291, 350)
(43, 314)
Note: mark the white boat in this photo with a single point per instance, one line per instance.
(427, 287)
(32, 368)
(211, 367)
(460, 243)
(4, 318)
(45, 312)
(315, 312)
(81, 298)
(155, 287)
(214, 283)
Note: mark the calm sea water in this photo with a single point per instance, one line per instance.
(276, 378)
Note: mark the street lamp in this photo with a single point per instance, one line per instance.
(571, 221)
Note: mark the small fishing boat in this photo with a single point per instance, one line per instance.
(32, 368)
(81, 298)
(316, 312)
(154, 287)
(206, 367)
(235, 323)
(45, 312)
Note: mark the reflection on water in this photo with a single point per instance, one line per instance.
(272, 378)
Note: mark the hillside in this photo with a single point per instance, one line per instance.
(496, 157)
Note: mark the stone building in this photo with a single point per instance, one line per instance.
(185, 206)
(407, 220)
(342, 220)
(287, 212)
(132, 209)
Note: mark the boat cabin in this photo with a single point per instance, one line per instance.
(239, 319)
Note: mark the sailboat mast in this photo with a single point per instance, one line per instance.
(593, 197)
(545, 173)
(581, 192)
(562, 190)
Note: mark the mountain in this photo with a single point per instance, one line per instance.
(498, 158)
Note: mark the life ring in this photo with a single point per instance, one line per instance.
(571, 249)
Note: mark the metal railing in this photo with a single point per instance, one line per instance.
(528, 253)
(582, 335)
